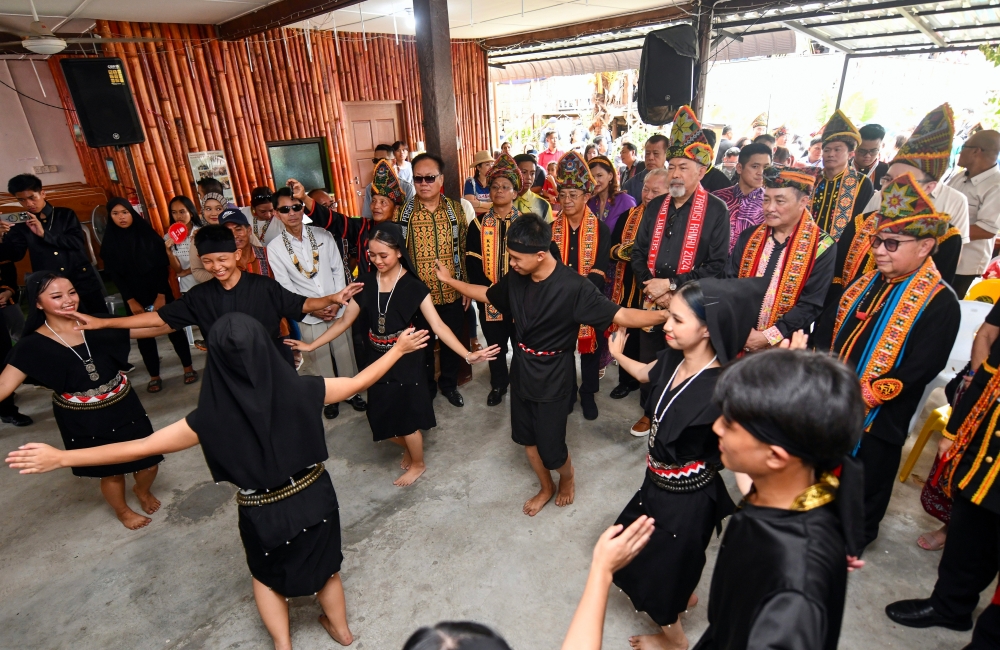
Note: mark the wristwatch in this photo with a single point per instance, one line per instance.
(673, 285)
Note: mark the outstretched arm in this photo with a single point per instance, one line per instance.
(339, 389)
(35, 458)
(448, 337)
(149, 332)
(342, 297)
(639, 318)
(639, 370)
(335, 330)
(475, 291)
(10, 379)
(139, 321)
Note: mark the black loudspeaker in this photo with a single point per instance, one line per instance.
(103, 101)
(667, 73)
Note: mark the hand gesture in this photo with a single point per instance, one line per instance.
(442, 272)
(5, 227)
(298, 190)
(756, 341)
(412, 340)
(300, 346)
(87, 322)
(35, 458)
(797, 342)
(35, 226)
(344, 296)
(616, 343)
(854, 563)
(161, 300)
(5, 297)
(486, 354)
(616, 547)
(656, 288)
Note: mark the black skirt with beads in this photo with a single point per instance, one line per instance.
(293, 545)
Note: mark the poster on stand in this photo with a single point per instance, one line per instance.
(212, 164)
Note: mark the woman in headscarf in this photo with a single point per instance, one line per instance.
(260, 427)
(93, 401)
(137, 260)
(399, 405)
(683, 491)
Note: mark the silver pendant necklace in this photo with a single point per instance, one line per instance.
(88, 363)
(378, 300)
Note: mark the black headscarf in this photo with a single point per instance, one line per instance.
(136, 249)
(395, 233)
(259, 422)
(731, 310)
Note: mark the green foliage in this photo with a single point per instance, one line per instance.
(992, 54)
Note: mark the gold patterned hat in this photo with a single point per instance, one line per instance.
(780, 131)
(760, 120)
(907, 209)
(505, 167)
(573, 173)
(687, 140)
(386, 183)
(779, 176)
(929, 147)
(840, 129)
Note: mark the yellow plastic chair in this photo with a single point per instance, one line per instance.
(985, 291)
(936, 421)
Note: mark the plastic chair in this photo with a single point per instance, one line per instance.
(987, 291)
(936, 421)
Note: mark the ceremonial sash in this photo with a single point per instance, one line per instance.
(494, 263)
(963, 438)
(260, 254)
(858, 253)
(843, 207)
(901, 308)
(628, 238)
(586, 249)
(790, 273)
(404, 222)
(696, 220)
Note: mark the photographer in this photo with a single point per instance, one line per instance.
(54, 240)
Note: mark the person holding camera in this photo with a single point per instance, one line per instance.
(54, 240)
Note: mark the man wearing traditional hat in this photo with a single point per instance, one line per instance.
(584, 243)
(384, 152)
(895, 326)
(792, 252)
(925, 156)
(386, 198)
(780, 136)
(841, 191)
(486, 261)
(528, 201)
(759, 125)
(980, 183)
(683, 236)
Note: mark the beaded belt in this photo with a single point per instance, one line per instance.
(294, 485)
(539, 353)
(104, 395)
(383, 342)
(680, 478)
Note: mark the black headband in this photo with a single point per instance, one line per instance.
(769, 433)
(519, 247)
(209, 246)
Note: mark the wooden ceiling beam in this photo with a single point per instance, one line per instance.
(278, 14)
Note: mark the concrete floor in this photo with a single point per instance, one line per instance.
(454, 546)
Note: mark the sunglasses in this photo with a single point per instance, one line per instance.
(285, 209)
(426, 179)
(890, 244)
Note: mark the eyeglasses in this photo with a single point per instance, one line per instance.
(890, 244)
(866, 152)
(420, 180)
(375, 160)
(886, 180)
(285, 209)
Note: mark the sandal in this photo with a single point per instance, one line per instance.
(190, 377)
(154, 386)
(199, 344)
(932, 541)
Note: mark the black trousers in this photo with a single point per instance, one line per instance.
(590, 374)
(881, 463)
(986, 635)
(632, 352)
(541, 425)
(969, 561)
(7, 407)
(498, 333)
(151, 354)
(962, 283)
(650, 344)
(453, 315)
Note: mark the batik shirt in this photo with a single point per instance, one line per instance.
(746, 211)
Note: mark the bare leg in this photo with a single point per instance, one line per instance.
(533, 505)
(567, 486)
(143, 481)
(671, 637)
(273, 610)
(113, 489)
(405, 463)
(415, 447)
(334, 616)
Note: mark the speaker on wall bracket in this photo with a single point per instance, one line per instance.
(103, 100)
(667, 73)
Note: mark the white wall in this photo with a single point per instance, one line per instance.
(32, 134)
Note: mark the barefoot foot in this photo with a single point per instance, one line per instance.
(132, 520)
(149, 503)
(654, 642)
(406, 462)
(411, 475)
(567, 491)
(343, 637)
(533, 505)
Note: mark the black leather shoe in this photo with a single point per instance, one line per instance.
(495, 396)
(589, 406)
(454, 397)
(920, 613)
(621, 391)
(358, 403)
(18, 420)
(331, 411)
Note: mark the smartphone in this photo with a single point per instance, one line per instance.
(16, 217)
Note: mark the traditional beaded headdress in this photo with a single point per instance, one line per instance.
(573, 173)
(687, 140)
(386, 183)
(505, 167)
(929, 147)
(779, 176)
(760, 120)
(840, 129)
(907, 209)
(780, 131)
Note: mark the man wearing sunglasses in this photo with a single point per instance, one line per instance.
(866, 155)
(895, 326)
(384, 152)
(980, 184)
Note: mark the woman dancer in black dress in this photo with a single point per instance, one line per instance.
(93, 401)
(399, 405)
(683, 491)
(260, 426)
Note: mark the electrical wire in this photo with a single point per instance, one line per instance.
(62, 108)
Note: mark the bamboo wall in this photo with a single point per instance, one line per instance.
(196, 93)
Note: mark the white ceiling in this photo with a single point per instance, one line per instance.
(468, 18)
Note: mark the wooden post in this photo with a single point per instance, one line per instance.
(437, 89)
(705, 13)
